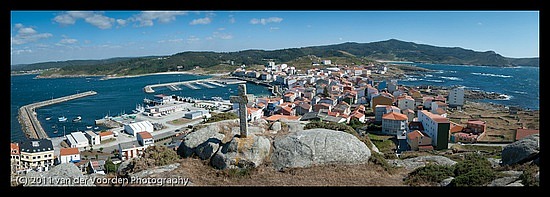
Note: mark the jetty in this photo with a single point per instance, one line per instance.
(27, 115)
(193, 84)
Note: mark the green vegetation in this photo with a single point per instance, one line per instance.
(222, 116)
(345, 53)
(383, 143)
(110, 167)
(331, 126)
(474, 170)
(528, 176)
(155, 156)
(429, 175)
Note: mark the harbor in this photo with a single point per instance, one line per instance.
(27, 115)
(193, 84)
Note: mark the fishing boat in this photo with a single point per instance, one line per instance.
(96, 128)
(62, 119)
(55, 131)
(89, 127)
(48, 118)
(77, 119)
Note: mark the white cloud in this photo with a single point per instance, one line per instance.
(121, 22)
(222, 36)
(273, 28)
(100, 21)
(192, 39)
(231, 19)
(178, 40)
(146, 18)
(221, 29)
(94, 18)
(265, 21)
(68, 41)
(20, 51)
(202, 21)
(27, 34)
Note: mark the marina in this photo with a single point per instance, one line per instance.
(193, 84)
(29, 122)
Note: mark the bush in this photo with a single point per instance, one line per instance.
(474, 177)
(379, 159)
(471, 162)
(429, 175)
(528, 176)
(331, 126)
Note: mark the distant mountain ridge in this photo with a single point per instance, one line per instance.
(393, 50)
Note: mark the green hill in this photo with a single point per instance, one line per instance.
(394, 50)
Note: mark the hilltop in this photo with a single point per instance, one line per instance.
(345, 53)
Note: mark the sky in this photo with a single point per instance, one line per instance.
(41, 36)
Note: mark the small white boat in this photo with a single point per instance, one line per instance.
(77, 119)
(88, 127)
(48, 118)
(96, 128)
(62, 119)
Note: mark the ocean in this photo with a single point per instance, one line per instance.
(520, 85)
(114, 96)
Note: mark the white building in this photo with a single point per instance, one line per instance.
(254, 114)
(394, 123)
(130, 150)
(456, 97)
(77, 140)
(437, 127)
(37, 154)
(69, 155)
(406, 102)
(197, 114)
(93, 138)
(134, 128)
(327, 62)
(145, 139)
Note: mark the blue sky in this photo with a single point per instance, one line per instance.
(39, 36)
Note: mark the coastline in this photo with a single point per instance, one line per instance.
(107, 77)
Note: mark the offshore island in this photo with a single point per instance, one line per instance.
(335, 117)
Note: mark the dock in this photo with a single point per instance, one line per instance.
(205, 85)
(27, 115)
(191, 84)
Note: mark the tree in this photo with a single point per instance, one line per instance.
(101, 149)
(96, 157)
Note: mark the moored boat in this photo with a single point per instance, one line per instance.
(62, 119)
(77, 119)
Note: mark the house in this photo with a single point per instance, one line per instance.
(303, 108)
(95, 166)
(409, 113)
(77, 140)
(254, 113)
(456, 97)
(134, 128)
(15, 159)
(394, 123)
(437, 127)
(69, 155)
(405, 102)
(93, 138)
(455, 128)
(106, 135)
(464, 137)
(382, 99)
(392, 85)
(145, 139)
(358, 115)
(342, 108)
(427, 102)
(36, 154)
(289, 97)
(320, 106)
(475, 126)
(521, 133)
(266, 76)
(438, 105)
(130, 150)
(380, 110)
(416, 139)
(287, 111)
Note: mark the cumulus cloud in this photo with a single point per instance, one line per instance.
(146, 18)
(94, 18)
(265, 21)
(27, 34)
(222, 36)
(202, 21)
(121, 22)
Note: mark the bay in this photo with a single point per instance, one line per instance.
(521, 85)
(114, 96)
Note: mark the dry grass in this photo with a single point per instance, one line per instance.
(201, 174)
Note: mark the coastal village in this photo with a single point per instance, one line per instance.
(366, 97)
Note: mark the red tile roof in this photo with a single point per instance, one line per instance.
(425, 147)
(68, 151)
(521, 133)
(14, 148)
(435, 117)
(278, 117)
(477, 122)
(145, 135)
(394, 116)
(106, 133)
(414, 134)
(455, 127)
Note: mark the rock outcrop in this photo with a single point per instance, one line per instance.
(191, 141)
(247, 152)
(421, 161)
(524, 150)
(318, 147)
(65, 174)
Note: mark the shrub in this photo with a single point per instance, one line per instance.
(331, 126)
(474, 177)
(528, 176)
(429, 175)
(471, 162)
(222, 116)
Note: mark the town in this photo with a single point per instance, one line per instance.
(362, 96)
